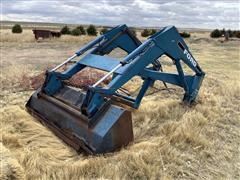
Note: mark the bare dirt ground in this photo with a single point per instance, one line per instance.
(172, 141)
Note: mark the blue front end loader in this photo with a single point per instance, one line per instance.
(97, 120)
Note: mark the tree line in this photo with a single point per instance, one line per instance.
(91, 30)
(216, 33)
(80, 30)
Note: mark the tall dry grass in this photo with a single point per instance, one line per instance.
(172, 141)
(27, 36)
(6, 35)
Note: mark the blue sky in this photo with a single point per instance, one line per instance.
(181, 13)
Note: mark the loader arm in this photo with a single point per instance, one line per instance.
(168, 42)
(118, 37)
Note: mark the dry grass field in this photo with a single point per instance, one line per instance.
(172, 141)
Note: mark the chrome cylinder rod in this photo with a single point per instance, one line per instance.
(65, 62)
(107, 75)
(81, 51)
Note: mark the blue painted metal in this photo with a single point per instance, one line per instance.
(104, 63)
(142, 60)
(167, 41)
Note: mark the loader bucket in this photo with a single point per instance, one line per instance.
(109, 130)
